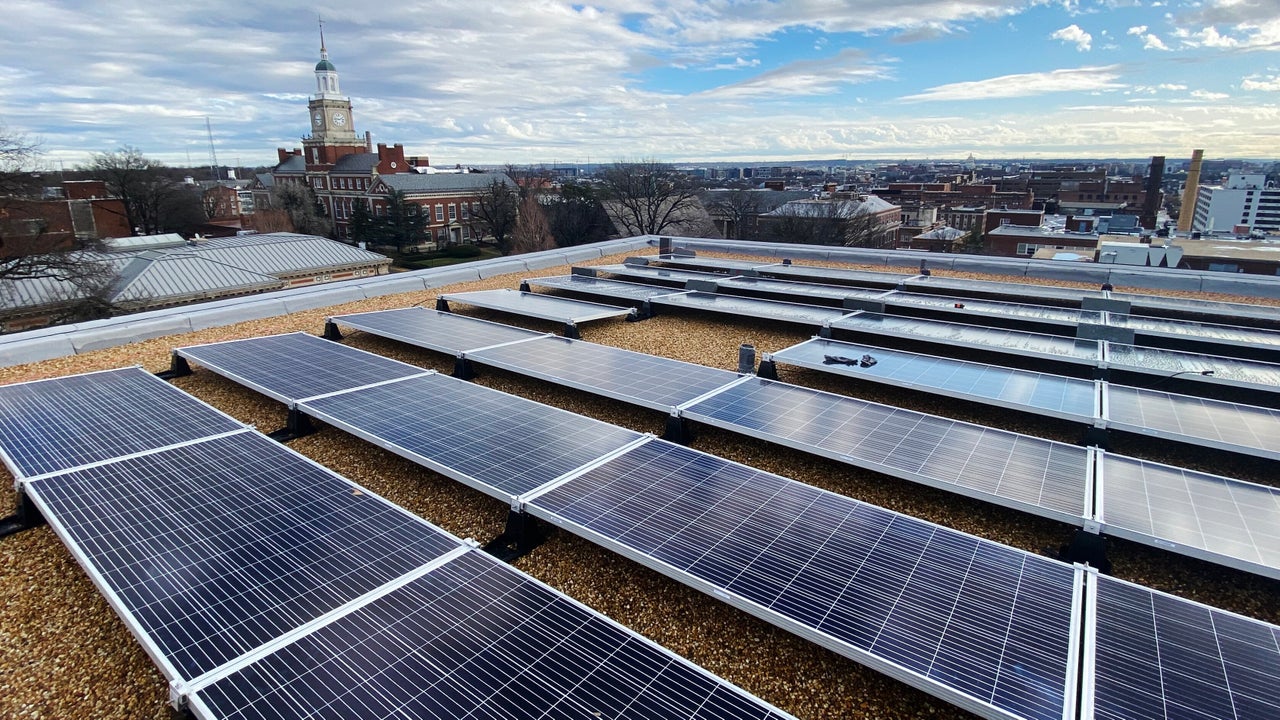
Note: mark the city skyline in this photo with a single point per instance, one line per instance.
(675, 80)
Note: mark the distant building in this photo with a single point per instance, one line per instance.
(1246, 201)
(149, 272)
(345, 171)
(76, 210)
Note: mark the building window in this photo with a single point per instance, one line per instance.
(453, 212)
(439, 213)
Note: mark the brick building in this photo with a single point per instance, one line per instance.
(76, 210)
(344, 170)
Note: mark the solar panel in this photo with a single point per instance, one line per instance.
(434, 330)
(812, 273)
(476, 639)
(1053, 395)
(752, 307)
(1190, 366)
(967, 306)
(212, 548)
(297, 365)
(1039, 476)
(600, 287)
(1223, 520)
(800, 291)
(643, 273)
(1225, 335)
(982, 625)
(1225, 425)
(713, 264)
(57, 424)
(536, 305)
(970, 288)
(500, 444)
(1053, 347)
(1208, 308)
(1157, 657)
(638, 378)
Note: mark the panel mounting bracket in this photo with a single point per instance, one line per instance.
(331, 331)
(25, 517)
(298, 425)
(178, 367)
(522, 534)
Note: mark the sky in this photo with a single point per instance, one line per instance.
(476, 82)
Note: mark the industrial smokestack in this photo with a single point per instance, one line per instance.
(1190, 192)
(1155, 180)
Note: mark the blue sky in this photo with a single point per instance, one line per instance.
(480, 82)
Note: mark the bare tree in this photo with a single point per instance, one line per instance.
(497, 209)
(533, 232)
(306, 215)
(137, 181)
(649, 197)
(811, 222)
(576, 216)
(736, 210)
(865, 229)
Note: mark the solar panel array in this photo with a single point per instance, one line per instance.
(980, 624)
(1054, 395)
(537, 305)
(648, 380)
(1021, 343)
(446, 332)
(1040, 476)
(751, 307)
(265, 585)
(600, 287)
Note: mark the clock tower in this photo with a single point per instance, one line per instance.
(329, 113)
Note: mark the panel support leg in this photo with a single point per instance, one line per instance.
(1086, 547)
(331, 331)
(677, 430)
(178, 367)
(522, 534)
(442, 305)
(25, 517)
(1095, 436)
(571, 331)
(298, 425)
(463, 369)
(524, 286)
(768, 369)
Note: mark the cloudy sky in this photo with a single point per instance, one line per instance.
(542, 81)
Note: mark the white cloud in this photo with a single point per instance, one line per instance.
(1074, 34)
(805, 77)
(1137, 30)
(1258, 82)
(1085, 79)
(1152, 42)
(1207, 95)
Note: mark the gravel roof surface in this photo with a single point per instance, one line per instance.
(63, 652)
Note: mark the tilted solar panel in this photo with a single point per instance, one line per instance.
(633, 377)
(537, 305)
(1031, 474)
(1219, 519)
(1226, 425)
(1226, 335)
(440, 331)
(712, 264)
(811, 273)
(643, 273)
(1193, 366)
(52, 425)
(212, 548)
(982, 625)
(752, 307)
(600, 287)
(500, 444)
(297, 365)
(1159, 657)
(1039, 313)
(1054, 395)
(474, 638)
(800, 291)
(1055, 347)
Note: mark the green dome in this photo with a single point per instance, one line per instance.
(325, 66)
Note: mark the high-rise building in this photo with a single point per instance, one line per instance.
(1245, 202)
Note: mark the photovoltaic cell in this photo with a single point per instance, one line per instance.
(1054, 395)
(633, 377)
(810, 273)
(982, 625)
(434, 330)
(1211, 310)
(1223, 520)
(536, 305)
(796, 291)
(476, 639)
(1037, 313)
(297, 365)
(1055, 347)
(501, 444)
(1159, 657)
(216, 547)
(1225, 335)
(752, 307)
(644, 273)
(1039, 476)
(1014, 291)
(709, 264)
(1231, 426)
(57, 424)
(600, 287)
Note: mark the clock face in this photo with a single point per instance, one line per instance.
(339, 119)
(317, 119)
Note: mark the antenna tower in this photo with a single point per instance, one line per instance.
(213, 155)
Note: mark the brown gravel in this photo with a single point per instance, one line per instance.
(63, 653)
